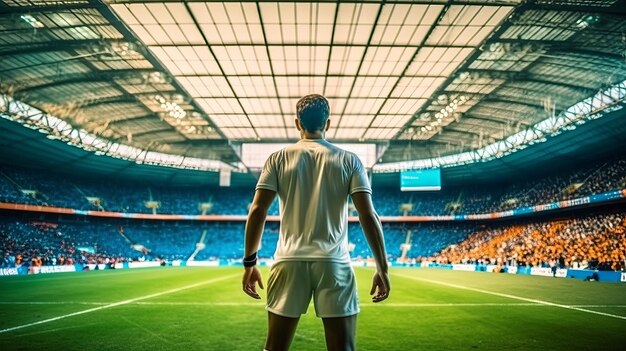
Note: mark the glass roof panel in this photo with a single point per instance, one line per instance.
(348, 133)
(266, 120)
(373, 86)
(142, 14)
(338, 86)
(416, 87)
(260, 105)
(288, 106)
(220, 106)
(365, 106)
(402, 106)
(380, 133)
(257, 59)
(240, 133)
(352, 121)
(386, 60)
(345, 59)
(271, 133)
(232, 120)
(396, 121)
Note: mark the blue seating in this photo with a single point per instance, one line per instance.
(59, 191)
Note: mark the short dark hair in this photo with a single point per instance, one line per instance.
(313, 112)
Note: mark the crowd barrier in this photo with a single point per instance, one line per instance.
(77, 267)
(585, 274)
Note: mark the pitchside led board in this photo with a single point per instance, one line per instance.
(420, 180)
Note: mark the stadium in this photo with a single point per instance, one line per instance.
(134, 132)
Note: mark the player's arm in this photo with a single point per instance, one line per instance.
(254, 231)
(373, 230)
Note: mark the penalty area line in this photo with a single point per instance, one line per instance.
(541, 302)
(119, 303)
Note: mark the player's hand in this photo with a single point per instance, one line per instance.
(251, 276)
(381, 286)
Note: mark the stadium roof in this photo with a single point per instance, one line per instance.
(418, 78)
(590, 143)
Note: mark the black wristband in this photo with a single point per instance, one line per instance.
(250, 261)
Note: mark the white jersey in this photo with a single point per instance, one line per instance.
(313, 179)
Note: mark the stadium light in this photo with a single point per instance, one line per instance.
(587, 21)
(56, 128)
(447, 111)
(32, 21)
(172, 108)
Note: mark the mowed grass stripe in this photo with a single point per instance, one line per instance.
(115, 285)
(365, 304)
(120, 303)
(112, 286)
(521, 298)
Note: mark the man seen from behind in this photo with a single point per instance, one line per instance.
(313, 180)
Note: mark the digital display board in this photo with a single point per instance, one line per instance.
(420, 180)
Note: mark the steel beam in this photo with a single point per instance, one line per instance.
(95, 76)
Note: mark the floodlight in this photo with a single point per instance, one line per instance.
(32, 21)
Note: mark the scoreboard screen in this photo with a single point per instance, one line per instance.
(420, 180)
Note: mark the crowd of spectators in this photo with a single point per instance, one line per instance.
(23, 186)
(600, 178)
(37, 243)
(593, 242)
(424, 239)
(596, 242)
(56, 243)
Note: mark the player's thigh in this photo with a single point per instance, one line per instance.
(289, 289)
(340, 333)
(280, 332)
(335, 289)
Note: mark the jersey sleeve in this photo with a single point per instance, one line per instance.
(269, 176)
(359, 183)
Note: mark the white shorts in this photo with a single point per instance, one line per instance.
(332, 285)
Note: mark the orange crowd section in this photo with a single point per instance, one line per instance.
(575, 243)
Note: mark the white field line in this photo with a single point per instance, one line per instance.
(54, 303)
(157, 336)
(546, 303)
(530, 304)
(366, 304)
(119, 303)
(48, 331)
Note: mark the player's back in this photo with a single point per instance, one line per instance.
(314, 180)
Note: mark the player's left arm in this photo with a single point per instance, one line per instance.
(263, 199)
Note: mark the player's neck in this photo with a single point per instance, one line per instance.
(315, 135)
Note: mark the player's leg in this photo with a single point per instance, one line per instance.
(280, 332)
(288, 296)
(336, 302)
(340, 333)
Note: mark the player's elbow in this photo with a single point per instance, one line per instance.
(368, 216)
(257, 210)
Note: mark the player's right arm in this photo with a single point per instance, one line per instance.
(373, 230)
(254, 230)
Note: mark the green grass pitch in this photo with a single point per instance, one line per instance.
(204, 309)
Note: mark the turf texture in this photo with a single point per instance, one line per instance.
(185, 308)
